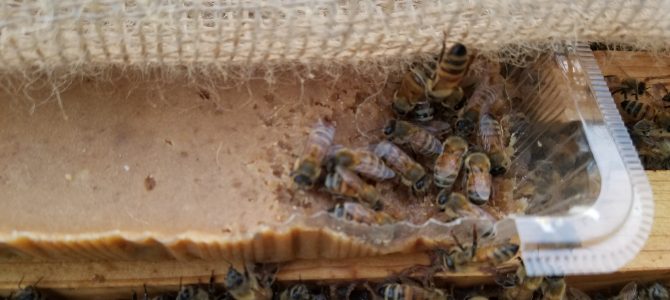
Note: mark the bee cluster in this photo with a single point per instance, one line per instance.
(449, 139)
(644, 109)
(251, 284)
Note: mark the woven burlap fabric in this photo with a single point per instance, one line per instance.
(77, 34)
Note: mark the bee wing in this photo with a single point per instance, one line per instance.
(658, 90)
(475, 211)
(575, 294)
(628, 292)
(373, 167)
(490, 132)
(507, 280)
(437, 128)
(334, 148)
(612, 80)
(350, 178)
(482, 184)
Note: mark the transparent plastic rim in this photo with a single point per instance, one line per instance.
(604, 237)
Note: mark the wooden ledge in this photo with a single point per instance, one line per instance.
(119, 279)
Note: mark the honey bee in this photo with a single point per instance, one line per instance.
(191, 292)
(448, 164)
(28, 293)
(412, 90)
(655, 291)
(628, 292)
(422, 112)
(247, 286)
(632, 86)
(296, 292)
(538, 184)
(553, 288)
(411, 173)
(418, 139)
(575, 294)
(459, 256)
(491, 136)
(398, 291)
(363, 162)
(466, 123)
(521, 286)
(159, 297)
(478, 178)
(307, 168)
(456, 205)
(343, 182)
(451, 69)
(637, 110)
(439, 129)
(351, 211)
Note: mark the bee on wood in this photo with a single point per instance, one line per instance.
(159, 297)
(478, 178)
(628, 86)
(460, 255)
(355, 212)
(456, 205)
(28, 293)
(192, 292)
(655, 291)
(452, 66)
(412, 90)
(575, 294)
(520, 286)
(448, 164)
(553, 288)
(491, 137)
(307, 168)
(344, 182)
(638, 110)
(467, 122)
(296, 292)
(411, 173)
(400, 291)
(418, 139)
(363, 162)
(247, 285)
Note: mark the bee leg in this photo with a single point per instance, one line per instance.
(458, 243)
(405, 276)
(350, 289)
(146, 294)
(370, 290)
(429, 276)
(474, 241)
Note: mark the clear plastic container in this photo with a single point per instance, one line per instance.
(597, 232)
(595, 216)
